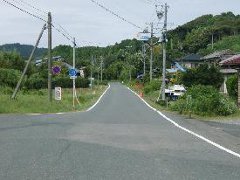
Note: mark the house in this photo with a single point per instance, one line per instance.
(217, 56)
(231, 66)
(190, 61)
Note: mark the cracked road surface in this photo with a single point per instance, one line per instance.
(120, 139)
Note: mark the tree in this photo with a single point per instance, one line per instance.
(203, 75)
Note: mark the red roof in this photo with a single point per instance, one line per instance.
(234, 60)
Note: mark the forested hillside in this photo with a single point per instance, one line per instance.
(199, 33)
(23, 50)
(124, 60)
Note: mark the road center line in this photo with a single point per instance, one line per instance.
(189, 131)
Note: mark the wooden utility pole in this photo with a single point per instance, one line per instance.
(49, 57)
(28, 62)
(144, 58)
(101, 68)
(164, 51)
(91, 81)
(74, 65)
(151, 56)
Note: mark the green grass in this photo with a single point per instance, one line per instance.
(36, 101)
(152, 96)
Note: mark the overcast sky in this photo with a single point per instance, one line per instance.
(92, 25)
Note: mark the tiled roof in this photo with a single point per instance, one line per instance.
(234, 60)
(191, 57)
(218, 54)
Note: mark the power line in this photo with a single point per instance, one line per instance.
(21, 3)
(115, 14)
(65, 34)
(30, 5)
(58, 30)
(23, 10)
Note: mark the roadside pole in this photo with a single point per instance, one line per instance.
(49, 57)
(144, 58)
(74, 79)
(101, 69)
(151, 57)
(91, 81)
(28, 62)
(164, 51)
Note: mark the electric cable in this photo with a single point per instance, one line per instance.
(115, 14)
(25, 11)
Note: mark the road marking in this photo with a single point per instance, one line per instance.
(34, 114)
(60, 113)
(93, 106)
(189, 131)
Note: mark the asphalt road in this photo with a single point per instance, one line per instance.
(120, 139)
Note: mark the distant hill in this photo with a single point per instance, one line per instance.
(198, 33)
(23, 50)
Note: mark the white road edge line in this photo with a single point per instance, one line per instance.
(99, 99)
(189, 131)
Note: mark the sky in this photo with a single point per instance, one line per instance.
(92, 25)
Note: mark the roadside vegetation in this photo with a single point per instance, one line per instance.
(33, 96)
(202, 97)
(36, 101)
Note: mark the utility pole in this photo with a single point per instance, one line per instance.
(151, 56)
(49, 57)
(101, 68)
(160, 14)
(144, 58)
(164, 51)
(28, 62)
(74, 79)
(212, 40)
(91, 72)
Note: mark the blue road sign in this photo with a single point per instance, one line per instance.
(72, 72)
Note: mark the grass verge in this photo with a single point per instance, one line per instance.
(152, 96)
(36, 101)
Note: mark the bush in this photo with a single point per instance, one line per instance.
(226, 107)
(9, 77)
(6, 90)
(179, 105)
(66, 82)
(206, 100)
(232, 86)
(203, 75)
(36, 82)
(154, 85)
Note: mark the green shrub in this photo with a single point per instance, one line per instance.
(232, 86)
(36, 82)
(104, 82)
(179, 105)
(154, 85)
(206, 100)
(66, 82)
(226, 107)
(203, 75)
(9, 77)
(6, 90)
